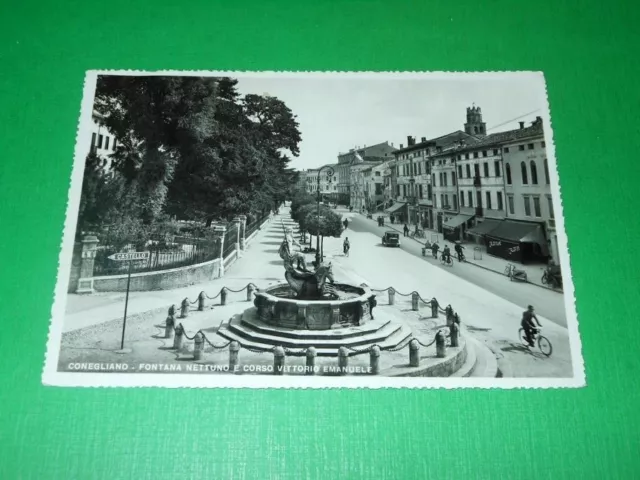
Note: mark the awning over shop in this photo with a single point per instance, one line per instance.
(485, 227)
(394, 208)
(518, 232)
(456, 221)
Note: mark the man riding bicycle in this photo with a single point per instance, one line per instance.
(459, 249)
(446, 254)
(528, 316)
(346, 246)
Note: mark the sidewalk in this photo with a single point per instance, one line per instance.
(253, 266)
(487, 262)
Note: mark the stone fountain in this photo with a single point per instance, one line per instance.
(311, 310)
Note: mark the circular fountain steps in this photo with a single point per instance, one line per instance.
(251, 332)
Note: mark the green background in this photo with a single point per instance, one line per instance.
(589, 51)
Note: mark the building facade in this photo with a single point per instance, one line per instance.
(503, 194)
(415, 187)
(377, 153)
(103, 142)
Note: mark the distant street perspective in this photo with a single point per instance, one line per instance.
(258, 226)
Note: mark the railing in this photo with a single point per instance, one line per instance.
(230, 240)
(163, 256)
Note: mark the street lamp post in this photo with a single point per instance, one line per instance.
(329, 174)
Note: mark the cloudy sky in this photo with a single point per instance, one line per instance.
(339, 113)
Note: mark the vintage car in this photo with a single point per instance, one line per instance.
(391, 239)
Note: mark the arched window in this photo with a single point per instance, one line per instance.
(546, 172)
(523, 168)
(507, 169)
(534, 173)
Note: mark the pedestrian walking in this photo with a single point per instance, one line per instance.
(406, 230)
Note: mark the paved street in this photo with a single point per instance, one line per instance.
(485, 313)
(548, 303)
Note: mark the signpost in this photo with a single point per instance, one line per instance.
(127, 257)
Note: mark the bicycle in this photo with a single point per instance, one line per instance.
(346, 249)
(418, 234)
(514, 274)
(543, 343)
(448, 261)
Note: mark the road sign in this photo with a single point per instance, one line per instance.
(121, 257)
(127, 257)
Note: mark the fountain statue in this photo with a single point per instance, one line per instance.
(306, 284)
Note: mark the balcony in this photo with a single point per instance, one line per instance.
(476, 181)
(449, 208)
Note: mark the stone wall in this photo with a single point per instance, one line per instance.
(160, 280)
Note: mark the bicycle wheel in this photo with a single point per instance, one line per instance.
(523, 336)
(544, 345)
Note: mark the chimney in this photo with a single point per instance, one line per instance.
(521, 125)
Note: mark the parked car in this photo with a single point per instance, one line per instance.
(391, 239)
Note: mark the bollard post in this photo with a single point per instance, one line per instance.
(177, 340)
(172, 311)
(278, 360)
(198, 346)
(311, 361)
(414, 353)
(343, 360)
(223, 296)
(449, 314)
(441, 347)
(234, 348)
(201, 299)
(415, 301)
(249, 292)
(434, 308)
(168, 326)
(184, 308)
(392, 296)
(374, 359)
(454, 332)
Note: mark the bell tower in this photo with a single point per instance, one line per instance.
(475, 125)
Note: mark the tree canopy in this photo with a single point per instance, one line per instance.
(189, 147)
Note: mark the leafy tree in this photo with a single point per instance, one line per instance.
(156, 117)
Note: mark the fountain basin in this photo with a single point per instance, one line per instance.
(277, 306)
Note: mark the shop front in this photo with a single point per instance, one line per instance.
(481, 229)
(453, 229)
(397, 212)
(518, 242)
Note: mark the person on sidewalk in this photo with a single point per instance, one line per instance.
(528, 316)
(345, 223)
(406, 230)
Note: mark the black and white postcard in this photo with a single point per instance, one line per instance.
(312, 230)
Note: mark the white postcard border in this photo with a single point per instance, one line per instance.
(52, 377)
